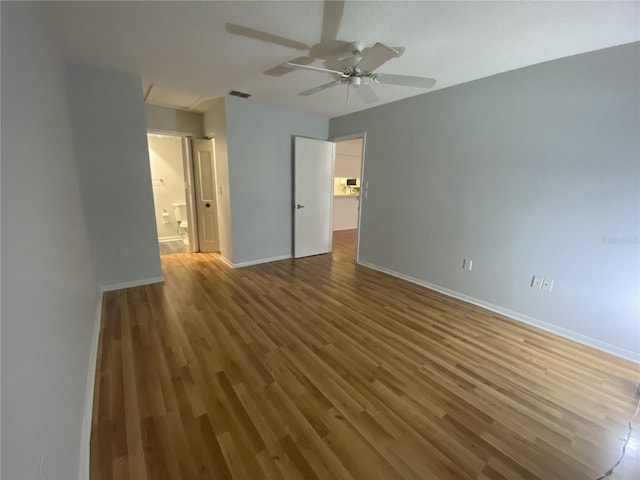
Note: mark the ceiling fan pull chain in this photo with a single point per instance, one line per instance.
(348, 87)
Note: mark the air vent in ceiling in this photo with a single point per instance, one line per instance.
(235, 93)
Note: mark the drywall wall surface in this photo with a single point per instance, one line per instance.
(168, 182)
(345, 213)
(174, 121)
(259, 140)
(216, 128)
(49, 295)
(530, 172)
(110, 138)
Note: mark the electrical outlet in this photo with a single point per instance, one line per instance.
(537, 281)
(124, 252)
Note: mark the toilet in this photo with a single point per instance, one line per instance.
(180, 212)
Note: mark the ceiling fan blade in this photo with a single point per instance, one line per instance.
(375, 56)
(331, 17)
(315, 69)
(366, 93)
(284, 69)
(264, 36)
(320, 88)
(404, 80)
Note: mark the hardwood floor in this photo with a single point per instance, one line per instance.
(317, 368)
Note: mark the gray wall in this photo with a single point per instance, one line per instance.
(109, 127)
(49, 296)
(535, 171)
(216, 127)
(259, 141)
(170, 120)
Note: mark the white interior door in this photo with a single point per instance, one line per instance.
(206, 207)
(313, 196)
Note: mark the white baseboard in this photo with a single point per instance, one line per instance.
(83, 472)
(345, 228)
(256, 262)
(226, 261)
(169, 239)
(134, 283)
(549, 327)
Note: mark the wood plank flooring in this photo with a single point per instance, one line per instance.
(321, 369)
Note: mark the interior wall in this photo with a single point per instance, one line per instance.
(49, 295)
(530, 172)
(215, 126)
(110, 138)
(171, 120)
(259, 141)
(167, 179)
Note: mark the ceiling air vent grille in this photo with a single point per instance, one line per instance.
(235, 93)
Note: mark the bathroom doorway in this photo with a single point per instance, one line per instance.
(173, 198)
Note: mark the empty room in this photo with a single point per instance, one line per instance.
(320, 240)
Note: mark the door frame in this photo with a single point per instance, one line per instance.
(192, 217)
(188, 176)
(363, 186)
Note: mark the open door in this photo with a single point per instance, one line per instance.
(206, 207)
(313, 196)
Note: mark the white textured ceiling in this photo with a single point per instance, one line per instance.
(184, 46)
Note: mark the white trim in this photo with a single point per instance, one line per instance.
(228, 262)
(134, 283)
(549, 327)
(170, 133)
(189, 175)
(169, 239)
(83, 472)
(256, 262)
(346, 228)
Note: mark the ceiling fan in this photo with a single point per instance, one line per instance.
(358, 71)
(350, 63)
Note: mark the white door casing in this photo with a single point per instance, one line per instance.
(313, 196)
(189, 192)
(206, 201)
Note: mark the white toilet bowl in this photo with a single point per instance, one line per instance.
(180, 212)
(183, 228)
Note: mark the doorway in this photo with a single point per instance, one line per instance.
(347, 192)
(184, 187)
(171, 195)
(327, 189)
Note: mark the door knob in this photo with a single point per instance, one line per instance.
(298, 206)
(207, 204)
